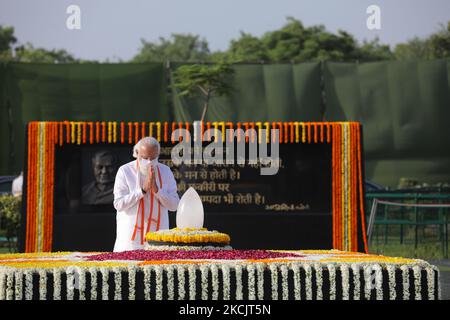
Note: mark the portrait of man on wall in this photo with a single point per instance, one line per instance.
(100, 190)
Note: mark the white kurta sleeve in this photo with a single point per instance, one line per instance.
(124, 198)
(168, 195)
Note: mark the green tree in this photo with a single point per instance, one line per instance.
(28, 53)
(440, 43)
(207, 80)
(287, 43)
(414, 49)
(436, 46)
(247, 48)
(179, 48)
(7, 39)
(374, 50)
(10, 212)
(295, 43)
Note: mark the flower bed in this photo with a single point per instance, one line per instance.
(223, 275)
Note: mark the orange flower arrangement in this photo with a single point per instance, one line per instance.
(143, 125)
(130, 132)
(187, 131)
(61, 129)
(173, 129)
(122, 132)
(103, 131)
(67, 131)
(91, 132)
(166, 131)
(239, 131)
(136, 132)
(40, 218)
(115, 132)
(97, 132)
(84, 132)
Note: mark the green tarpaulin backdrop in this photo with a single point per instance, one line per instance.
(404, 106)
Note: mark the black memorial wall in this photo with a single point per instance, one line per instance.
(288, 210)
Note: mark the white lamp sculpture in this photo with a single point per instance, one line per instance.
(190, 212)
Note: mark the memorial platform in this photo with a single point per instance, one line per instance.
(216, 275)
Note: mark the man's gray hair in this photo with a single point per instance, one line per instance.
(105, 153)
(150, 141)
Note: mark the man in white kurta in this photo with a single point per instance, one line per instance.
(133, 188)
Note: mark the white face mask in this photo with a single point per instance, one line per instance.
(154, 162)
(144, 165)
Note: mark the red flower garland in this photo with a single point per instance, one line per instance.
(146, 255)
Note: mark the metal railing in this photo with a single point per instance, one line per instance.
(408, 206)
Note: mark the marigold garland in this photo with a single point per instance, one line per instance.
(188, 132)
(252, 133)
(239, 132)
(130, 133)
(347, 187)
(103, 131)
(309, 131)
(166, 131)
(84, 124)
(40, 184)
(216, 129)
(180, 126)
(79, 133)
(110, 133)
(259, 126)
(72, 129)
(67, 125)
(219, 238)
(122, 132)
(97, 132)
(150, 129)
(291, 129)
(158, 131)
(280, 128)
(188, 235)
(136, 132)
(115, 132)
(303, 132)
(143, 126)
(61, 137)
(360, 185)
(91, 132)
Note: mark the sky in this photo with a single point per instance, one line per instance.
(113, 29)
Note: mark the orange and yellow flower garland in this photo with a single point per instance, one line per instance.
(347, 186)
(107, 132)
(40, 184)
(345, 138)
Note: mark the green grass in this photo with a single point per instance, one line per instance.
(443, 268)
(426, 251)
(387, 242)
